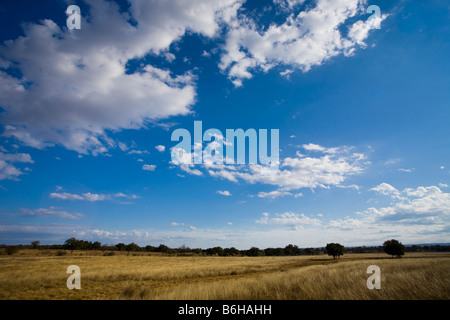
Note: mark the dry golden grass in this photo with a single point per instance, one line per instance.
(416, 276)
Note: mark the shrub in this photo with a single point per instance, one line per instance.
(10, 250)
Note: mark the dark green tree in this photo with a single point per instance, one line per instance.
(394, 248)
(231, 251)
(335, 249)
(215, 251)
(162, 248)
(254, 252)
(71, 244)
(292, 250)
(96, 245)
(35, 244)
(121, 246)
(10, 250)
(132, 247)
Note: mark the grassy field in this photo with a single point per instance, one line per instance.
(29, 275)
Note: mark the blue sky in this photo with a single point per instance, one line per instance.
(361, 104)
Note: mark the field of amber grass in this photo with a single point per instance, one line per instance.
(31, 274)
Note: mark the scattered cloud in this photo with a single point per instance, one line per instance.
(160, 148)
(88, 196)
(224, 193)
(149, 167)
(416, 213)
(177, 224)
(138, 152)
(7, 168)
(330, 169)
(290, 220)
(50, 212)
(278, 193)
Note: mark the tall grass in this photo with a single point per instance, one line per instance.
(416, 276)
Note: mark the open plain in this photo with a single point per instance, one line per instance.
(32, 274)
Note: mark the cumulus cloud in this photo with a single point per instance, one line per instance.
(297, 172)
(326, 167)
(76, 85)
(386, 189)
(305, 39)
(416, 213)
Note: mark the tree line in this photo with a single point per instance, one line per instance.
(333, 249)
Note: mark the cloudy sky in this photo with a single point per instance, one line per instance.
(361, 102)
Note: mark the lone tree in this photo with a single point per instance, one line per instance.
(394, 248)
(35, 244)
(335, 250)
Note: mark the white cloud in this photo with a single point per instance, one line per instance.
(169, 57)
(51, 212)
(386, 189)
(286, 73)
(329, 169)
(318, 148)
(289, 219)
(274, 194)
(416, 215)
(305, 39)
(66, 196)
(177, 224)
(76, 86)
(224, 193)
(187, 168)
(138, 152)
(149, 167)
(7, 169)
(88, 196)
(160, 148)
(298, 172)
